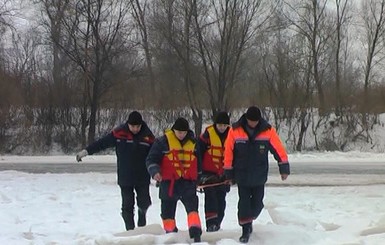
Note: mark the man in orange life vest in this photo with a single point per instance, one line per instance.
(132, 142)
(174, 162)
(246, 161)
(211, 144)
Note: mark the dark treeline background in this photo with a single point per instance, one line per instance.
(72, 69)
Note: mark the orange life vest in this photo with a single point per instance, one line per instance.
(213, 157)
(180, 161)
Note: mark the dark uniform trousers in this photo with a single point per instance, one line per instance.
(185, 191)
(215, 204)
(250, 203)
(143, 200)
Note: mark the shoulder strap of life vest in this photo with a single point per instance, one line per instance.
(216, 149)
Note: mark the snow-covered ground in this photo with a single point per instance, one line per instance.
(85, 208)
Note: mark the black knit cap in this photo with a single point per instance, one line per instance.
(135, 118)
(253, 113)
(222, 118)
(181, 124)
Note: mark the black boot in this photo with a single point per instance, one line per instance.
(141, 217)
(197, 238)
(195, 233)
(247, 229)
(212, 228)
(212, 225)
(128, 218)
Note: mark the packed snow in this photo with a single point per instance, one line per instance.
(84, 208)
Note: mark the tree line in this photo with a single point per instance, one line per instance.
(74, 68)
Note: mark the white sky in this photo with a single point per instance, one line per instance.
(85, 208)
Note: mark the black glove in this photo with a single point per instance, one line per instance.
(222, 177)
(284, 168)
(229, 174)
(200, 179)
(206, 179)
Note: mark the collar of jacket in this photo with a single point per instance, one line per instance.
(242, 122)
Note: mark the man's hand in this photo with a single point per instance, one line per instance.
(157, 177)
(229, 176)
(284, 170)
(200, 179)
(208, 179)
(80, 155)
(284, 176)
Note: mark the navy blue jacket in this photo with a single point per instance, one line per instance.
(131, 152)
(249, 157)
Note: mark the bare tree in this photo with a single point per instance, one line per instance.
(224, 30)
(140, 12)
(25, 68)
(61, 71)
(341, 21)
(174, 22)
(6, 12)
(309, 18)
(53, 13)
(287, 81)
(373, 16)
(98, 33)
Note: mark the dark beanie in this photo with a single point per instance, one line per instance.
(181, 124)
(135, 118)
(222, 118)
(253, 113)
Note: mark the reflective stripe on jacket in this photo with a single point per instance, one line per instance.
(131, 152)
(248, 154)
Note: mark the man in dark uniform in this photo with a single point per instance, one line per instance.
(132, 142)
(173, 162)
(211, 144)
(246, 161)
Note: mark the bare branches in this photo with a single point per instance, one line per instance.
(7, 11)
(235, 23)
